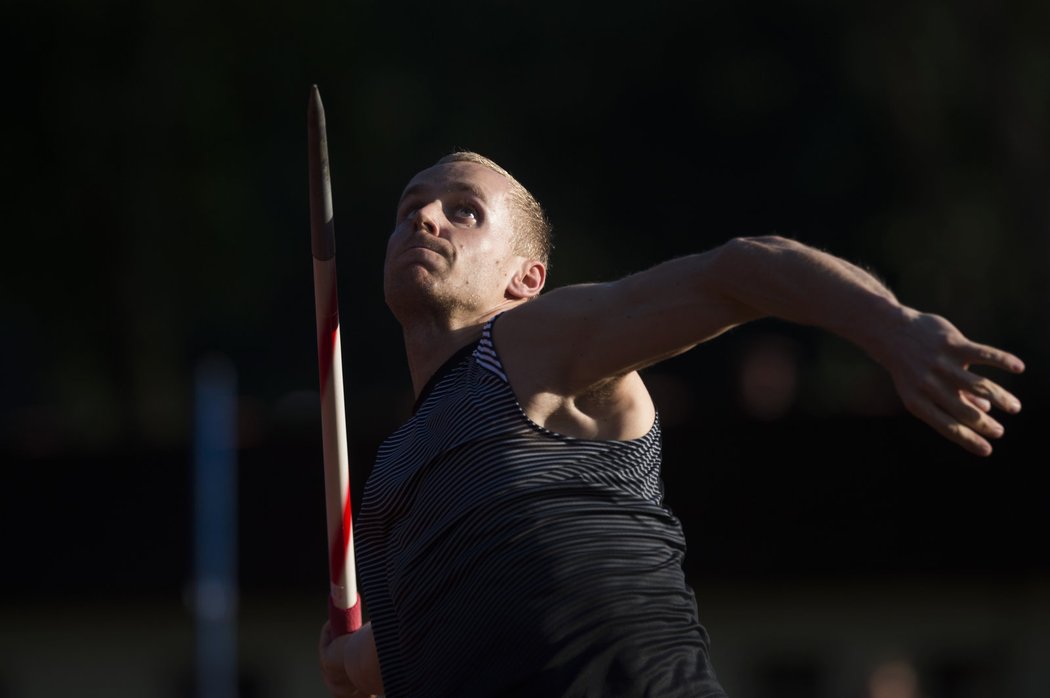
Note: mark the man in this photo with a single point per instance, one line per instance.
(511, 539)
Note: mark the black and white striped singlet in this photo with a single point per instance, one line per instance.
(497, 558)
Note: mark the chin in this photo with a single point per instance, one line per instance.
(411, 293)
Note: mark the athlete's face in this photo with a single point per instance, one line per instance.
(452, 241)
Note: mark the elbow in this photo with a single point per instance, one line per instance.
(740, 254)
(728, 274)
(753, 254)
(742, 265)
(759, 243)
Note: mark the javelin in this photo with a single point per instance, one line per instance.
(344, 605)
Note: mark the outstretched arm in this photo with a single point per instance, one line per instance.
(589, 334)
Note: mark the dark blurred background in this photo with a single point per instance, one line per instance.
(154, 173)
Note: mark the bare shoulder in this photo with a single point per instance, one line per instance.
(532, 352)
(573, 353)
(540, 336)
(584, 335)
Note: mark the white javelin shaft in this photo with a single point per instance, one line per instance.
(345, 608)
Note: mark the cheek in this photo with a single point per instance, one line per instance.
(395, 236)
(391, 245)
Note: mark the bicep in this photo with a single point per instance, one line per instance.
(586, 334)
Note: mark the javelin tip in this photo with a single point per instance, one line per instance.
(322, 229)
(315, 106)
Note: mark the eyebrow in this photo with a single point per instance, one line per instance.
(458, 186)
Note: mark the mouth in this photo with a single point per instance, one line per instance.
(429, 246)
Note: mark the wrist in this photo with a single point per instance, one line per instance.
(876, 327)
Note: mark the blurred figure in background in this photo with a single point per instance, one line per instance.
(895, 678)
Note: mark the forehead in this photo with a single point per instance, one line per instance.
(490, 186)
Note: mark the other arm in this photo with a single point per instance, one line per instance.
(587, 335)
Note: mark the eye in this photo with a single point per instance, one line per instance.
(407, 210)
(466, 211)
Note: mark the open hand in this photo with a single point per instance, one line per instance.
(929, 360)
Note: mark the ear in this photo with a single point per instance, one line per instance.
(527, 281)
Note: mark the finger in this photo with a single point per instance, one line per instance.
(990, 356)
(951, 402)
(981, 387)
(949, 427)
(978, 402)
(326, 636)
(957, 432)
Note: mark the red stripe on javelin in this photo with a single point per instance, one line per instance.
(341, 542)
(327, 337)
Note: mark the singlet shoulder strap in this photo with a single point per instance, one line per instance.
(485, 352)
(446, 368)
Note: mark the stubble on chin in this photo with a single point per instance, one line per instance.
(419, 293)
(430, 289)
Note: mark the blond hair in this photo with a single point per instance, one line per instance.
(532, 236)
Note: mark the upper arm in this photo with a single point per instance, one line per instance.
(583, 335)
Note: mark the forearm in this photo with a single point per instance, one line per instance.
(777, 277)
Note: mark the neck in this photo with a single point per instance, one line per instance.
(430, 341)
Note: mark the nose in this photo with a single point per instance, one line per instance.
(426, 217)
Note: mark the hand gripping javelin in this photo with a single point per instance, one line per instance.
(344, 605)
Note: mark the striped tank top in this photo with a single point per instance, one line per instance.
(497, 558)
